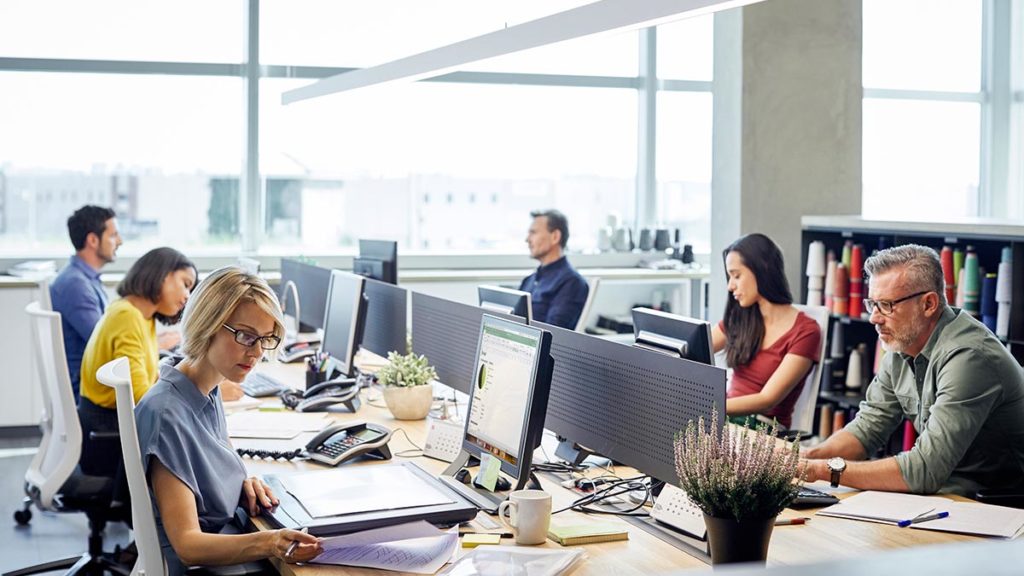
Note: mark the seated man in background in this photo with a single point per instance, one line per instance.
(557, 290)
(947, 374)
(77, 292)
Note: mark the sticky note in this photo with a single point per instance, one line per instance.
(474, 540)
(489, 469)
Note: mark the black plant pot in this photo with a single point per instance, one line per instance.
(732, 541)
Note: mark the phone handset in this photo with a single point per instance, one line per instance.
(321, 396)
(342, 442)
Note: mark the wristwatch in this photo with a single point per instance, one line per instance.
(836, 466)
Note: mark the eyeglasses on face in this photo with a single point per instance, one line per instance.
(247, 339)
(885, 307)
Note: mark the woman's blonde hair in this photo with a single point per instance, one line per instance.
(216, 298)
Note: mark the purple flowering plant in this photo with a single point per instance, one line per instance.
(733, 472)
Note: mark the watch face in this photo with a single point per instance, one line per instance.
(837, 464)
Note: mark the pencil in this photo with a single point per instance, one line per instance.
(791, 521)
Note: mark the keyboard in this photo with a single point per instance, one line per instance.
(811, 498)
(257, 385)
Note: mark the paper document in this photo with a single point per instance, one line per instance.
(490, 560)
(243, 403)
(978, 519)
(885, 507)
(253, 424)
(416, 547)
(352, 490)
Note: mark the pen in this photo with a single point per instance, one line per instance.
(791, 521)
(294, 544)
(919, 519)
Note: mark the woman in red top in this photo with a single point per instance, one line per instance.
(769, 344)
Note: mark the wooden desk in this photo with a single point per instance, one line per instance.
(819, 540)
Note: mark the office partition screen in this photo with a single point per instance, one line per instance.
(386, 315)
(446, 333)
(627, 403)
(311, 281)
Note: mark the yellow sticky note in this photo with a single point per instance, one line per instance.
(489, 469)
(474, 540)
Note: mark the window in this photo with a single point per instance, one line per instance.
(153, 147)
(374, 153)
(923, 105)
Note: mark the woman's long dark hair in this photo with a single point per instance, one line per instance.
(744, 327)
(146, 277)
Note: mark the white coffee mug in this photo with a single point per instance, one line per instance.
(529, 515)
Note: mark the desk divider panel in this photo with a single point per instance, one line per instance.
(385, 317)
(628, 403)
(447, 333)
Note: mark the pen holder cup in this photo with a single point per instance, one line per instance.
(315, 377)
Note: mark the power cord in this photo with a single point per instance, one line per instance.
(584, 504)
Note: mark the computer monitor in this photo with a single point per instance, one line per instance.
(344, 321)
(378, 259)
(386, 317)
(678, 336)
(307, 285)
(506, 300)
(446, 332)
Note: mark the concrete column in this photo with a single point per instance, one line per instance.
(788, 87)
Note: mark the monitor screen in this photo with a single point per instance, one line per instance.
(510, 393)
(385, 318)
(378, 259)
(506, 300)
(672, 334)
(310, 282)
(343, 320)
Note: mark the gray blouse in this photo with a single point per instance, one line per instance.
(186, 431)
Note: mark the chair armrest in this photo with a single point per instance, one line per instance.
(94, 435)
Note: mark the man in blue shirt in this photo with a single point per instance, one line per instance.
(557, 290)
(77, 292)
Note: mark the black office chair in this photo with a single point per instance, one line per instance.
(54, 480)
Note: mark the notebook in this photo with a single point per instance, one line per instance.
(886, 507)
(978, 519)
(589, 533)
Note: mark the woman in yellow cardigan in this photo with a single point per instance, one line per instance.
(156, 288)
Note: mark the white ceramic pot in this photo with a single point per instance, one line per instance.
(409, 402)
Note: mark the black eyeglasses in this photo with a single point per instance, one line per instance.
(885, 306)
(246, 339)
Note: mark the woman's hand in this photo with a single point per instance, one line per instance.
(294, 546)
(257, 494)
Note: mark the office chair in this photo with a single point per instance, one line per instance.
(117, 375)
(802, 423)
(53, 480)
(592, 283)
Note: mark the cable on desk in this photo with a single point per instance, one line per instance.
(413, 452)
(584, 503)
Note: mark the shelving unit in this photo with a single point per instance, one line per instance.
(987, 236)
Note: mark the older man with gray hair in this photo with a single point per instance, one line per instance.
(947, 374)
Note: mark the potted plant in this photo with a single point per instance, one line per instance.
(741, 478)
(407, 391)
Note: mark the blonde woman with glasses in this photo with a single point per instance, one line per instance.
(197, 479)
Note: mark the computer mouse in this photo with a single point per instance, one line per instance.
(502, 485)
(463, 476)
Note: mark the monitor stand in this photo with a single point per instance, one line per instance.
(484, 499)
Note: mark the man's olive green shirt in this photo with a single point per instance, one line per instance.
(964, 394)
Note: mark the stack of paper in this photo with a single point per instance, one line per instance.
(887, 507)
(978, 519)
(280, 425)
(416, 547)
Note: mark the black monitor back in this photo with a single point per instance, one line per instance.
(312, 282)
(627, 403)
(386, 315)
(447, 333)
(378, 259)
(668, 333)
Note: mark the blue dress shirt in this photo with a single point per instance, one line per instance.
(78, 295)
(558, 293)
(186, 431)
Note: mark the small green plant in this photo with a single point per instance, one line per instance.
(736, 472)
(406, 370)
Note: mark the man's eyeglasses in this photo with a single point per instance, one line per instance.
(246, 339)
(885, 306)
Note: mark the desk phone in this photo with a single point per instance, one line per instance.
(342, 442)
(297, 351)
(674, 508)
(320, 397)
